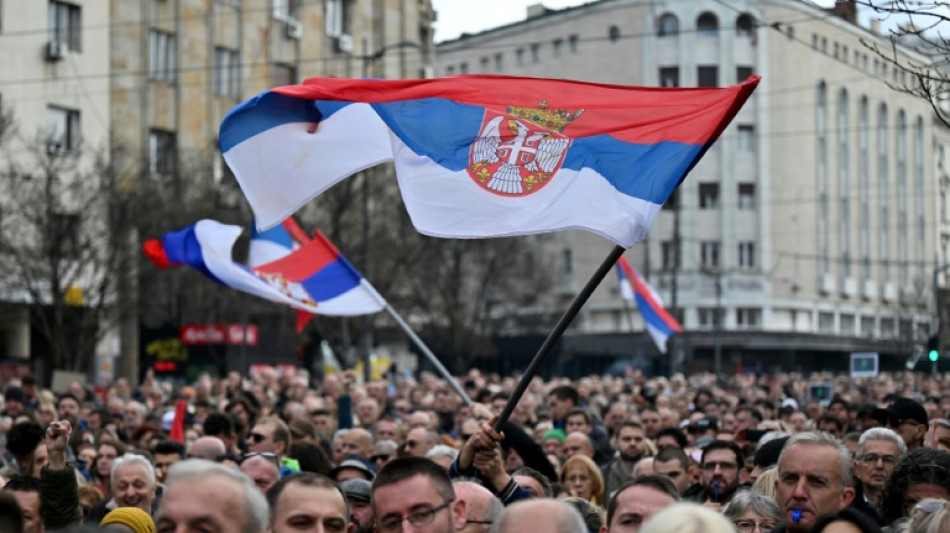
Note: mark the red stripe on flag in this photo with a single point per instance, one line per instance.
(303, 262)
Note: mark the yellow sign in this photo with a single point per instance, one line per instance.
(167, 350)
(73, 296)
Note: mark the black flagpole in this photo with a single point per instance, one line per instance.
(556, 334)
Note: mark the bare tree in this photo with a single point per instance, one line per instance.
(922, 28)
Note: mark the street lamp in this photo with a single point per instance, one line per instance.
(368, 61)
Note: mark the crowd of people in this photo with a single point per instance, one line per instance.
(287, 452)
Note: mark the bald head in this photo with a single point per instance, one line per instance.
(358, 441)
(539, 515)
(208, 448)
(481, 506)
(577, 443)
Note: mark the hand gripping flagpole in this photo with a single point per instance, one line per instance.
(428, 353)
(556, 334)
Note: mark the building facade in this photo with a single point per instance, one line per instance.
(809, 231)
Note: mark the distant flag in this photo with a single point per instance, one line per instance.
(481, 156)
(276, 243)
(177, 431)
(314, 278)
(659, 322)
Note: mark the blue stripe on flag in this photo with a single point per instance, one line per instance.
(182, 246)
(651, 317)
(330, 281)
(268, 110)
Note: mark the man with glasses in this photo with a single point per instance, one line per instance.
(879, 450)
(907, 418)
(721, 462)
(415, 494)
(481, 506)
(272, 435)
(308, 502)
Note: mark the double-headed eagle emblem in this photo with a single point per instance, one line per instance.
(516, 153)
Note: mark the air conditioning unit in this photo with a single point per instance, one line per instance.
(56, 50)
(344, 43)
(294, 29)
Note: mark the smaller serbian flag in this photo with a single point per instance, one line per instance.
(659, 322)
(315, 277)
(275, 243)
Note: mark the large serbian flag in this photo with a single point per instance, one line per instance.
(481, 156)
(659, 322)
(314, 277)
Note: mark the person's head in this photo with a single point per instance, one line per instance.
(368, 411)
(930, 515)
(352, 468)
(749, 510)
(577, 444)
(671, 437)
(907, 418)
(650, 418)
(218, 497)
(814, 479)
(628, 439)
(388, 429)
(831, 424)
(721, 463)
(767, 456)
(552, 442)
(14, 399)
(419, 441)
(26, 492)
(922, 473)
(219, 425)
(561, 400)
(166, 453)
(25, 442)
(540, 515)
(442, 454)
(636, 501)
(581, 474)
(358, 493)
(68, 407)
(358, 441)
(133, 415)
(127, 519)
(879, 451)
(262, 468)
(578, 419)
(269, 435)
(207, 448)
(847, 520)
(536, 483)
(482, 508)
(11, 516)
(673, 463)
(593, 515)
(687, 517)
(417, 491)
(133, 482)
(306, 501)
(106, 454)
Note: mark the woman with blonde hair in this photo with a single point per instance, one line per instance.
(765, 484)
(687, 518)
(929, 516)
(581, 475)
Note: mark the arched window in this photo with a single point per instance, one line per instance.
(668, 26)
(844, 183)
(613, 33)
(919, 185)
(745, 25)
(883, 192)
(821, 177)
(864, 200)
(900, 177)
(707, 24)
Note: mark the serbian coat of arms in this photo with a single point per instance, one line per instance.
(517, 152)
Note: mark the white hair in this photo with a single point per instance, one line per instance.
(442, 450)
(820, 438)
(132, 459)
(882, 434)
(689, 517)
(256, 514)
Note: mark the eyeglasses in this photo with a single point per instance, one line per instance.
(416, 518)
(895, 422)
(266, 455)
(710, 466)
(256, 437)
(872, 459)
(411, 443)
(748, 526)
(581, 478)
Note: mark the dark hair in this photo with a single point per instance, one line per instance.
(724, 445)
(677, 435)
(218, 425)
(863, 522)
(670, 453)
(406, 467)
(320, 412)
(565, 392)
(22, 484)
(923, 465)
(656, 482)
(831, 418)
(307, 479)
(628, 424)
(589, 512)
(11, 517)
(578, 411)
(558, 488)
(311, 457)
(500, 395)
(543, 480)
(23, 438)
(753, 412)
(67, 395)
(168, 446)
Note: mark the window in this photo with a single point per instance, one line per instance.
(463, 68)
(287, 9)
(535, 53)
(671, 201)
(161, 55)
(743, 73)
(558, 47)
(64, 233)
(161, 152)
(746, 196)
(708, 195)
(450, 70)
(499, 62)
(821, 177)
(667, 255)
(707, 24)
(669, 76)
(284, 74)
(747, 254)
(62, 129)
(847, 324)
(888, 328)
(746, 137)
(225, 72)
(65, 24)
(484, 64)
(748, 318)
(883, 192)
(567, 261)
(708, 76)
(814, 41)
(708, 317)
(519, 57)
(709, 252)
(864, 202)
(745, 26)
(613, 33)
(335, 16)
(668, 26)
(572, 43)
(867, 327)
(826, 322)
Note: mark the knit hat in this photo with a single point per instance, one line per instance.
(135, 518)
(555, 434)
